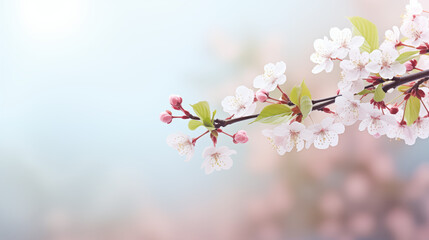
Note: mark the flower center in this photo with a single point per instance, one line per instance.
(360, 66)
(268, 74)
(216, 160)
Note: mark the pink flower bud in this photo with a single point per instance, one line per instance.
(175, 101)
(262, 95)
(166, 117)
(409, 66)
(241, 137)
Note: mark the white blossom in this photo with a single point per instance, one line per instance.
(350, 86)
(400, 130)
(272, 77)
(182, 143)
(326, 133)
(423, 62)
(421, 127)
(242, 104)
(376, 122)
(413, 9)
(217, 159)
(348, 109)
(354, 69)
(344, 41)
(416, 29)
(392, 38)
(383, 62)
(424, 102)
(323, 56)
(292, 135)
(275, 141)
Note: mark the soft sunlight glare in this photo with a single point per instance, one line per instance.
(51, 18)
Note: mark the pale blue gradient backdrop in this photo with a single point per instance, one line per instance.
(79, 102)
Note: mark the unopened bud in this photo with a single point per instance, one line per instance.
(327, 110)
(407, 97)
(213, 136)
(176, 102)
(409, 66)
(241, 137)
(424, 51)
(261, 95)
(166, 117)
(420, 94)
(394, 110)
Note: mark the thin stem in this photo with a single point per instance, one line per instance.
(195, 139)
(278, 87)
(279, 101)
(393, 100)
(424, 106)
(406, 45)
(227, 134)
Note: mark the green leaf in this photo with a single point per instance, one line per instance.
(403, 88)
(274, 114)
(412, 110)
(295, 95)
(194, 124)
(368, 30)
(208, 124)
(379, 94)
(365, 91)
(306, 106)
(407, 56)
(213, 115)
(304, 90)
(202, 109)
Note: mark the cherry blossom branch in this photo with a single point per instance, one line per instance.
(396, 82)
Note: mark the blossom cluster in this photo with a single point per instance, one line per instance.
(371, 73)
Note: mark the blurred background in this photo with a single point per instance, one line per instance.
(83, 154)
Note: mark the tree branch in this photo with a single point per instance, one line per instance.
(397, 81)
(223, 123)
